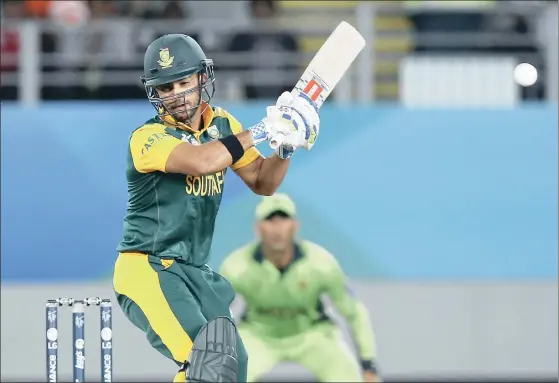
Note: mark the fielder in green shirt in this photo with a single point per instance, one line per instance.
(282, 281)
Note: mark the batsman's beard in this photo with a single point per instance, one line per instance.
(182, 110)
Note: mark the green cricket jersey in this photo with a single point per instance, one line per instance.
(173, 215)
(288, 302)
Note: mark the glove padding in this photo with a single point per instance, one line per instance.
(296, 122)
(277, 122)
(280, 117)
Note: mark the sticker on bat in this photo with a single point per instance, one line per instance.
(313, 90)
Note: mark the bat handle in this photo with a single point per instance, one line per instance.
(276, 141)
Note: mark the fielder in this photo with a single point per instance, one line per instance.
(281, 280)
(176, 167)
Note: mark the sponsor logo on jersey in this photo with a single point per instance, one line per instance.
(152, 140)
(190, 139)
(208, 185)
(213, 132)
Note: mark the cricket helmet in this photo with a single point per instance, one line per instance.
(171, 58)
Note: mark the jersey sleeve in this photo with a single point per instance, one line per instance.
(251, 154)
(151, 147)
(351, 308)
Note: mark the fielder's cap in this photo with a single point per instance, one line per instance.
(277, 203)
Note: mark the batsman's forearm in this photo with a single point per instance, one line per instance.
(270, 175)
(214, 156)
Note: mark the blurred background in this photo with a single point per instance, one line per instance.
(434, 181)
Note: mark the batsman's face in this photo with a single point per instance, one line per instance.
(181, 97)
(277, 231)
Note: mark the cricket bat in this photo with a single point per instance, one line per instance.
(326, 68)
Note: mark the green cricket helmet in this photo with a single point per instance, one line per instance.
(172, 58)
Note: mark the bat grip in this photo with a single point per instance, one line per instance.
(276, 141)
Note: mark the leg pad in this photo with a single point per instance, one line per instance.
(214, 353)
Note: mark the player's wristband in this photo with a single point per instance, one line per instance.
(369, 365)
(234, 147)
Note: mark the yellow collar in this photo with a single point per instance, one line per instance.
(207, 118)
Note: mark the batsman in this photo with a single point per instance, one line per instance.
(176, 166)
(283, 281)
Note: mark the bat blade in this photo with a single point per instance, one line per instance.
(327, 67)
